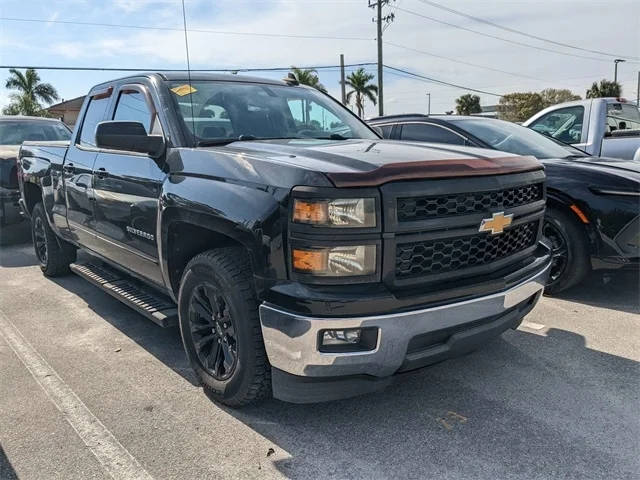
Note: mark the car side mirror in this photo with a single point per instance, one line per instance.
(128, 137)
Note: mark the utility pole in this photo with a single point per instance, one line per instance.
(343, 88)
(615, 71)
(638, 93)
(380, 19)
(429, 104)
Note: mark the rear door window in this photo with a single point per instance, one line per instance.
(95, 114)
(428, 132)
(622, 116)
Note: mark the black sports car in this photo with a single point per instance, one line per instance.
(593, 203)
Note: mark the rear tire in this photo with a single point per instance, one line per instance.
(221, 329)
(54, 254)
(569, 249)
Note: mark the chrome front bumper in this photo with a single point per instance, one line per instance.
(291, 340)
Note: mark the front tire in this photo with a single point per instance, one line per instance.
(54, 254)
(220, 327)
(569, 250)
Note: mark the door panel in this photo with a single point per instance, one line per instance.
(126, 188)
(78, 170)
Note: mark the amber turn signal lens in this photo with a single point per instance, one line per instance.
(309, 261)
(309, 212)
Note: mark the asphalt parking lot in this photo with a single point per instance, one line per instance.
(558, 398)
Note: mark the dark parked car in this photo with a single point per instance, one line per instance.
(277, 229)
(13, 131)
(593, 203)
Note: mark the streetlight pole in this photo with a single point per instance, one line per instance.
(429, 104)
(615, 71)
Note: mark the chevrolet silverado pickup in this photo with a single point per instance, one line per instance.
(301, 255)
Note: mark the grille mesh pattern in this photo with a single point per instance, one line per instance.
(422, 208)
(450, 254)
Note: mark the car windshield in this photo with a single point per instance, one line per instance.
(14, 132)
(513, 138)
(219, 111)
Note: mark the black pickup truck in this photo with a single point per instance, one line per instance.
(302, 255)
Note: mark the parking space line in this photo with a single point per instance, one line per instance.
(113, 457)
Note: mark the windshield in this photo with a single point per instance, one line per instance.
(14, 132)
(513, 138)
(230, 110)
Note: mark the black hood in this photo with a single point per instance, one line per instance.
(373, 162)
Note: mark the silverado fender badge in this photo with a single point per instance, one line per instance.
(496, 224)
(140, 233)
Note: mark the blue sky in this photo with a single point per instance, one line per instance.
(605, 26)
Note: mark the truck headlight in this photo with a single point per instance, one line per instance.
(338, 212)
(342, 261)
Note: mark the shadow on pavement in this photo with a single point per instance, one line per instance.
(6, 469)
(616, 291)
(526, 406)
(163, 343)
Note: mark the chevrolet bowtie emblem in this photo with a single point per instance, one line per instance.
(496, 224)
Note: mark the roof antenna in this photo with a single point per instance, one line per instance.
(186, 45)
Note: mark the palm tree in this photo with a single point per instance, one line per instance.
(30, 92)
(468, 104)
(308, 76)
(359, 82)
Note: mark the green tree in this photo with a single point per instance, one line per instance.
(606, 88)
(468, 104)
(308, 76)
(553, 96)
(518, 106)
(359, 82)
(30, 92)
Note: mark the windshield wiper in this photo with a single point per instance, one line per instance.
(242, 138)
(215, 141)
(333, 136)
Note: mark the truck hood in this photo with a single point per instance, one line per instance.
(374, 162)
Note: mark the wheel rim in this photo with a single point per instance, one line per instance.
(559, 251)
(213, 332)
(40, 240)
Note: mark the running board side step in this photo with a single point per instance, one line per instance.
(141, 298)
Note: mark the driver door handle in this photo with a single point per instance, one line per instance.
(68, 168)
(101, 172)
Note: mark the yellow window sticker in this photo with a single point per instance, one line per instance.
(183, 90)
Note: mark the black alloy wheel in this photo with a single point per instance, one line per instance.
(559, 251)
(40, 240)
(213, 332)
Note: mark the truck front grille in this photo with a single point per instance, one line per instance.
(429, 257)
(426, 207)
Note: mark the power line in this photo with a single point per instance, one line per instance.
(512, 30)
(161, 70)
(404, 47)
(434, 80)
(502, 39)
(192, 30)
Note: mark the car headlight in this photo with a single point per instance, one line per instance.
(338, 212)
(342, 261)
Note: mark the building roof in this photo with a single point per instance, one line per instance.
(73, 104)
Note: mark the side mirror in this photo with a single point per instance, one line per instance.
(129, 137)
